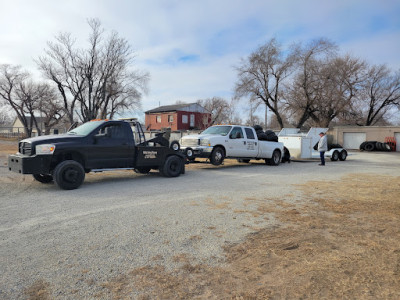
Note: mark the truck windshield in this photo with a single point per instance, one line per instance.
(86, 128)
(222, 130)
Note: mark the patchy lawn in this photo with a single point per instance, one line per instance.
(342, 240)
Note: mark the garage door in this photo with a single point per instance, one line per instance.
(397, 137)
(353, 140)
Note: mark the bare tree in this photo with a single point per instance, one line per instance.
(96, 82)
(340, 79)
(262, 74)
(306, 90)
(11, 79)
(219, 108)
(380, 93)
(28, 99)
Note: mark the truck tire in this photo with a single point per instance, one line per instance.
(175, 146)
(69, 174)
(217, 156)
(275, 159)
(370, 146)
(362, 145)
(343, 155)
(172, 167)
(335, 155)
(43, 178)
(387, 147)
(189, 154)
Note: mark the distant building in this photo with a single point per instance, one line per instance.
(178, 117)
(18, 127)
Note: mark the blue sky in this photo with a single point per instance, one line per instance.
(190, 47)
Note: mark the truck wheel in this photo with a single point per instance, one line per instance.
(217, 156)
(172, 167)
(275, 159)
(69, 174)
(43, 178)
(335, 156)
(189, 154)
(175, 146)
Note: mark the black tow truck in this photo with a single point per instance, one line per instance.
(95, 146)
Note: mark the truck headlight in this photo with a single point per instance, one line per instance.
(205, 142)
(45, 149)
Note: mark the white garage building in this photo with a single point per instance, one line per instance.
(352, 136)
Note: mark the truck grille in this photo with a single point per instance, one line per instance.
(190, 142)
(25, 148)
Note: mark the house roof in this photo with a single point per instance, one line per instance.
(28, 119)
(193, 107)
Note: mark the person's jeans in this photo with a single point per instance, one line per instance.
(322, 156)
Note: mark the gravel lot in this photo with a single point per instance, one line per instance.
(69, 243)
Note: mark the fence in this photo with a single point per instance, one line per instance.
(19, 132)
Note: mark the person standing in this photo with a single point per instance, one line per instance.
(322, 147)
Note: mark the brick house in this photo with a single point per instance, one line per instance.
(177, 117)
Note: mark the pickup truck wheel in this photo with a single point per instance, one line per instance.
(175, 146)
(69, 174)
(275, 159)
(343, 155)
(335, 155)
(217, 156)
(172, 167)
(43, 178)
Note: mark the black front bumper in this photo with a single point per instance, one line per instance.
(36, 164)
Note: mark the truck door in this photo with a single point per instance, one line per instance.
(251, 142)
(113, 147)
(236, 143)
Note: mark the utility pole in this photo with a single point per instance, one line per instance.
(266, 117)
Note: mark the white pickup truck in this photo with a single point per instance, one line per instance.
(230, 141)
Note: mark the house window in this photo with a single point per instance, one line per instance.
(158, 119)
(185, 119)
(170, 118)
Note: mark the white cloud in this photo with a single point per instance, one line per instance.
(190, 47)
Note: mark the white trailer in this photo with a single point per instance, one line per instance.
(301, 144)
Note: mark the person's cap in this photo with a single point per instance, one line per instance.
(322, 133)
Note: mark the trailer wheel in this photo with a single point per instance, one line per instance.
(43, 178)
(172, 167)
(175, 146)
(69, 174)
(275, 159)
(335, 155)
(217, 156)
(343, 155)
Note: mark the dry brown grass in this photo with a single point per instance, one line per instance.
(342, 241)
(38, 291)
(8, 148)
